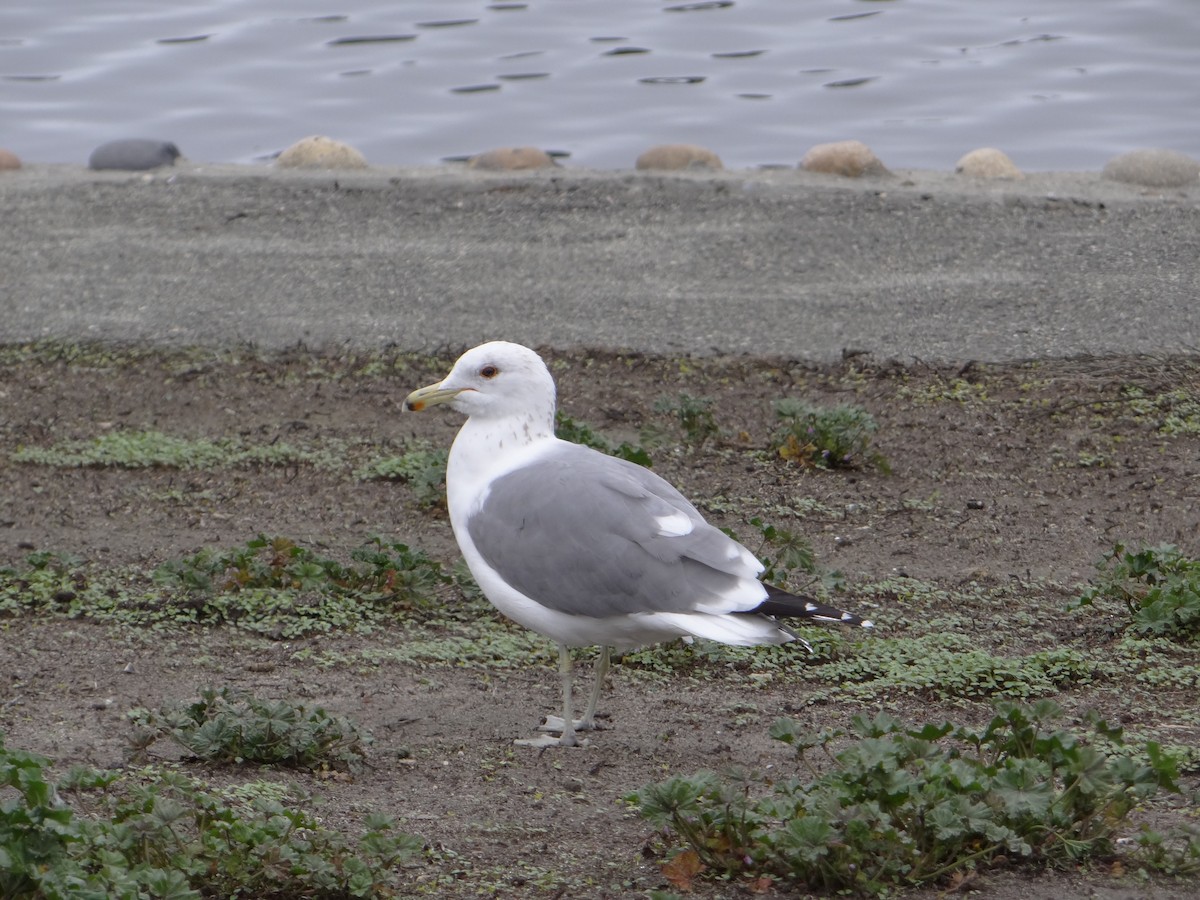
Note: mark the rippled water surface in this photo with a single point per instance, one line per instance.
(1058, 84)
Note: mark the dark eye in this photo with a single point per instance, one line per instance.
(489, 371)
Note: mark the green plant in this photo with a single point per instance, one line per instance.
(789, 552)
(948, 665)
(154, 833)
(48, 579)
(396, 572)
(1175, 412)
(694, 417)
(152, 449)
(958, 390)
(784, 553)
(270, 585)
(568, 429)
(826, 437)
(1176, 852)
(232, 727)
(423, 469)
(903, 806)
(35, 826)
(393, 571)
(1158, 586)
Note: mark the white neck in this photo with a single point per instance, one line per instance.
(485, 449)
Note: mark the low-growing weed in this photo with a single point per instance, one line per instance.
(48, 580)
(153, 449)
(232, 727)
(397, 572)
(750, 666)
(486, 644)
(788, 552)
(788, 558)
(422, 468)
(951, 666)
(567, 429)
(393, 571)
(693, 416)
(157, 833)
(958, 390)
(270, 585)
(906, 806)
(35, 827)
(1175, 412)
(1158, 586)
(827, 437)
(1176, 852)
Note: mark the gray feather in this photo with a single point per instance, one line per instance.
(577, 532)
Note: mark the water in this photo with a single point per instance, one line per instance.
(1058, 84)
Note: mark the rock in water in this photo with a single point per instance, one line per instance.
(852, 159)
(988, 162)
(134, 155)
(672, 157)
(1153, 168)
(512, 159)
(320, 152)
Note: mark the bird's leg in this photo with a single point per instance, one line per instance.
(588, 722)
(566, 725)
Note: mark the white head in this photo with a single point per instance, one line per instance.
(496, 380)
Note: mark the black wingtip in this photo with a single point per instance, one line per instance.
(782, 605)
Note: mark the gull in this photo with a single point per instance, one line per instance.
(585, 548)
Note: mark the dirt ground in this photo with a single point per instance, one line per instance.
(1016, 475)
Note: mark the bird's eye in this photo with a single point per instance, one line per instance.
(489, 371)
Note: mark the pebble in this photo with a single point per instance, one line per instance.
(673, 157)
(9, 160)
(511, 159)
(1153, 168)
(853, 159)
(320, 152)
(134, 155)
(988, 162)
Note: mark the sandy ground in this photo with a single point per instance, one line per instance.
(924, 264)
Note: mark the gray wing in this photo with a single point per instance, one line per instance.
(588, 534)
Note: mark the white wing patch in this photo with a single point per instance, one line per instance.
(674, 525)
(743, 631)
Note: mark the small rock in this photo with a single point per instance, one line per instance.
(320, 152)
(673, 157)
(853, 159)
(1153, 168)
(9, 160)
(134, 155)
(988, 162)
(511, 159)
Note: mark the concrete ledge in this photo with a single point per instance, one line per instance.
(1089, 186)
(779, 262)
